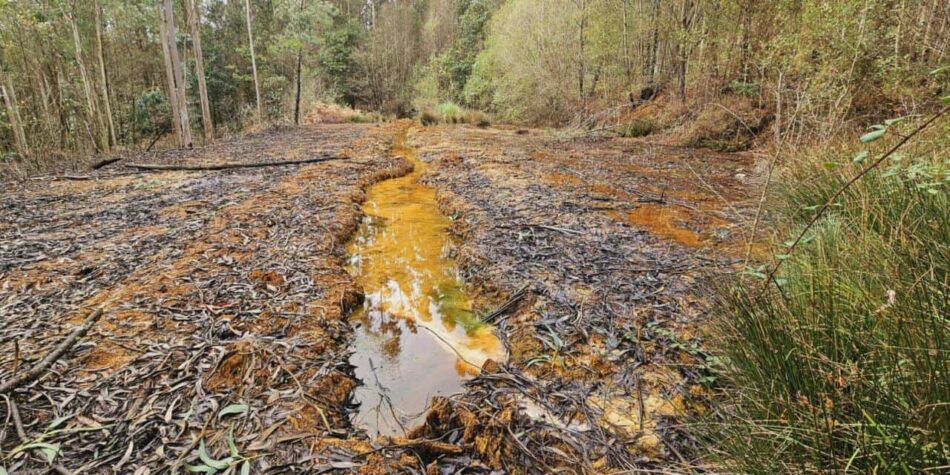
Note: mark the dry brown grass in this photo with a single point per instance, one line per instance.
(730, 124)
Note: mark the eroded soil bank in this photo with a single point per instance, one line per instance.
(227, 298)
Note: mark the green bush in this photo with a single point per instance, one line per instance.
(636, 128)
(451, 113)
(844, 367)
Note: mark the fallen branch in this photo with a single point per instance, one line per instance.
(505, 307)
(61, 178)
(55, 355)
(102, 163)
(228, 166)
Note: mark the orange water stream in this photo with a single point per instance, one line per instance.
(416, 334)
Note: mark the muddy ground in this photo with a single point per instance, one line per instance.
(224, 331)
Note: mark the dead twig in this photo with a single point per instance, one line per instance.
(55, 355)
(503, 308)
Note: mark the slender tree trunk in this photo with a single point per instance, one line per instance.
(299, 80)
(178, 72)
(250, 40)
(194, 22)
(651, 66)
(64, 129)
(13, 113)
(624, 44)
(582, 60)
(92, 112)
(682, 48)
(103, 77)
(297, 99)
(169, 73)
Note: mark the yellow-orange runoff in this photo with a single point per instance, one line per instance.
(400, 257)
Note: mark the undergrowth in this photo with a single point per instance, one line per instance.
(636, 128)
(845, 366)
(451, 113)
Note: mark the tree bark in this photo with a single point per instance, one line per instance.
(250, 40)
(651, 65)
(179, 72)
(624, 44)
(169, 73)
(682, 48)
(103, 77)
(230, 166)
(13, 112)
(92, 111)
(297, 100)
(582, 60)
(194, 23)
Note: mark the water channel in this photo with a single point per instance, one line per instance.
(416, 333)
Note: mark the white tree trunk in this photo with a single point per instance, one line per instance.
(13, 112)
(194, 23)
(95, 120)
(103, 78)
(169, 73)
(179, 73)
(250, 40)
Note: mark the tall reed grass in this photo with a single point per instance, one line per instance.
(844, 367)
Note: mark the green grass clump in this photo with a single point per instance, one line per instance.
(845, 367)
(636, 128)
(451, 113)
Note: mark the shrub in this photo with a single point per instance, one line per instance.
(366, 117)
(427, 117)
(845, 368)
(726, 126)
(476, 118)
(451, 113)
(636, 128)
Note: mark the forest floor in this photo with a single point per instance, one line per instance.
(225, 339)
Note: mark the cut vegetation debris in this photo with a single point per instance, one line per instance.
(224, 341)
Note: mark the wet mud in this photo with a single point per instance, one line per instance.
(236, 316)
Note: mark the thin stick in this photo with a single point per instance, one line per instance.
(501, 310)
(55, 355)
(768, 179)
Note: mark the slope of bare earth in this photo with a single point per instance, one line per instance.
(225, 296)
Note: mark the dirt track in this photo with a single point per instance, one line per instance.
(228, 287)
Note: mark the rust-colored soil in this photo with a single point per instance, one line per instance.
(227, 289)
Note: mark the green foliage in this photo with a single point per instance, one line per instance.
(843, 369)
(152, 113)
(336, 60)
(451, 113)
(458, 61)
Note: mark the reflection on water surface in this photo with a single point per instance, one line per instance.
(416, 334)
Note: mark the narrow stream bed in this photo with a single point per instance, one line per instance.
(416, 334)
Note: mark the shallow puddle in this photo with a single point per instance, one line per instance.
(416, 334)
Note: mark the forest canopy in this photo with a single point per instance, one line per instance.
(85, 76)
